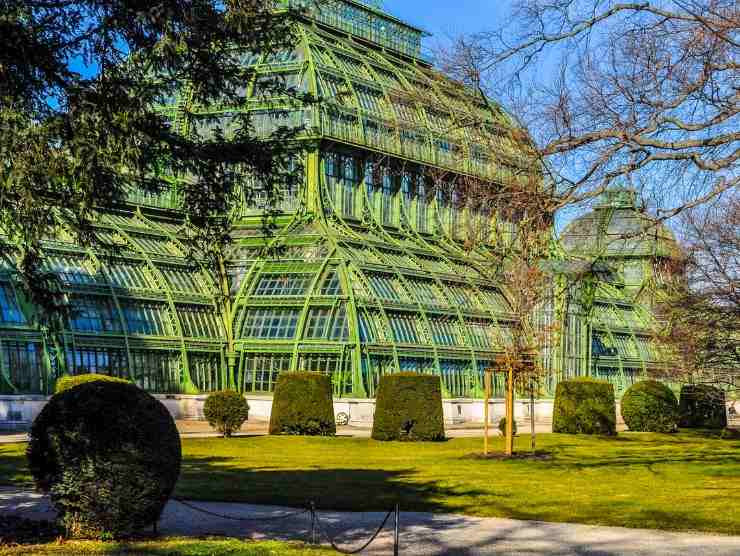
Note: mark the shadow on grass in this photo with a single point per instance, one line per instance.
(218, 478)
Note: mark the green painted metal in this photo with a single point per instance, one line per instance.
(367, 272)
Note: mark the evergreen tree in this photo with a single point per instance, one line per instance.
(85, 116)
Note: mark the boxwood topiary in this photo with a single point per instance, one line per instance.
(303, 405)
(226, 411)
(409, 407)
(702, 406)
(585, 406)
(67, 382)
(650, 406)
(108, 454)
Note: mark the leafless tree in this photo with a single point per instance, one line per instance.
(702, 313)
(644, 92)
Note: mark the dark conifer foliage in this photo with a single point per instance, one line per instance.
(80, 83)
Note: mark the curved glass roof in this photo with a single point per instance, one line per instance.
(373, 98)
(368, 306)
(617, 227)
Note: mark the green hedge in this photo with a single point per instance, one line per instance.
(66, 382)
(584, 406)
(303, 405)
(226, 411)
(650, 406)
(409, 407)
(108, 454)
(702, 406)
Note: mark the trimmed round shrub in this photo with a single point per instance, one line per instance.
(584, 406)
(502, 426)
(650, 406)
(108, 454)
(226, 411)
(702, 406)
(408, 406)
(67, 382)
(303, 405)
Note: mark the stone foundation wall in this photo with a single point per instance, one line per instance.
(18, 412)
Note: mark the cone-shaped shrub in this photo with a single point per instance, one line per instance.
(303, 405)
(650, 406)
(67, 382)
(108, 454)
(409, 407)
(226, 411)
(584, 406)
(702, 406)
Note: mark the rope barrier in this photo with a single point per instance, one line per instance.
(358, 550)
(239, 518)
(317, 528)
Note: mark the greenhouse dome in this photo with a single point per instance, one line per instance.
(624, 229)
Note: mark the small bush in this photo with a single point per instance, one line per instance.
(108, 454)
(650, 406)
(702, 406)
(226, 411)
(409, 407)
(584, 406)
(303, 405)
(502, 426)
(67, 382)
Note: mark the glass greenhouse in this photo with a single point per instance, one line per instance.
(367, 272)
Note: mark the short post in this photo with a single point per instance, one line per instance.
(533, 385)
(510, 410)
(397, 531)
(313, 522)
(486, 418)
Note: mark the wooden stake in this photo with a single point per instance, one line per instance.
(487, 381)
(510, 411)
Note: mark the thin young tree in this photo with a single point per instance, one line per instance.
(509, 227)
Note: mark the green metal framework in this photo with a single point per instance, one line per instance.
(366, 273)
(637, 258)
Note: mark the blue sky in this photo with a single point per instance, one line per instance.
(443, 17)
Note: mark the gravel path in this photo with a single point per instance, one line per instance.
(421, 533)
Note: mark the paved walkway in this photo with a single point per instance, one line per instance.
(421, 533)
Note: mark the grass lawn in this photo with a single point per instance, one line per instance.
(686, 481)
(162, 547)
